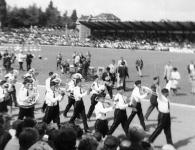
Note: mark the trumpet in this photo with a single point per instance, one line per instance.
(149, 90)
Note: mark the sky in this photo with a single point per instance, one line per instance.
(126, 10)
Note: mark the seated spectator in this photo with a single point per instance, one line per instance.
(13, 143)
(4, 135)
(65, 140)
(27, 138)
(110, 143)
(88, 143)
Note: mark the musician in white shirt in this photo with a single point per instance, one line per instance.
(71, 99)
(164, 119)
(47, 87)
(101, 124)
(135, 100)
(3, 94)
(53, 97)
(97, 88)
(79, 108)
(26, 100)
(120, 115)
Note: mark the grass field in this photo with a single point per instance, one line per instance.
(183, 122)
(153, 65)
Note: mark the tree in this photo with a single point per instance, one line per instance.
(52, 15)
(3, 12)
(74, 16)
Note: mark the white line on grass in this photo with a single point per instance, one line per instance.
(146, 100)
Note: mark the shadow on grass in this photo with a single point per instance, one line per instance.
(183, 142)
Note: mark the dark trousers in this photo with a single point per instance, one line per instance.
(21, 66)
(13, 96)
(120, 117)
(52, 113)
(164, 123)
(124, 83)
(79, 109)
(113, 78)
(92, 107)
(150, 109)
(71, 102)
(28, 66)
(139, 114)
(101, 126)
(26, 112)
(109, 88)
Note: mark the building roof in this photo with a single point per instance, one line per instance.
(140, 25)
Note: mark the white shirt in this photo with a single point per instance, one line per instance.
(78, 93)
(21, 57)
(167, 71)
(24, 97)
(100, 111)
(97, 87)
(120, 101)
(175, 75)
(112, 68)
(136, 95)
(2, 95)
(51, 99)
(77, 59)
(47, 84)
(120, 61)
(163, 102)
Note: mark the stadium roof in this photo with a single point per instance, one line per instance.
(140, 25)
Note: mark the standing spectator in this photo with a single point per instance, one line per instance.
(173, 81)
(122, 60)
(139, 66)
(59, 60)
(21, 58)
(113, 69)
(191, 72)
(122, 74)
(106, 77)
(29, 58)
(167, 71)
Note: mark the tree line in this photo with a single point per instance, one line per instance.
(34, 16)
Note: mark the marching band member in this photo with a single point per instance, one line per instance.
(53, 97)
(120, 115)
(11, 78)
(71, 99)
(3, 95)
(97, 89)
(106, 77)
(47, 87)
(79, 108)
(137, 95)
(153, 98)
(27, 98)
(101, 124)
(164, 119)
